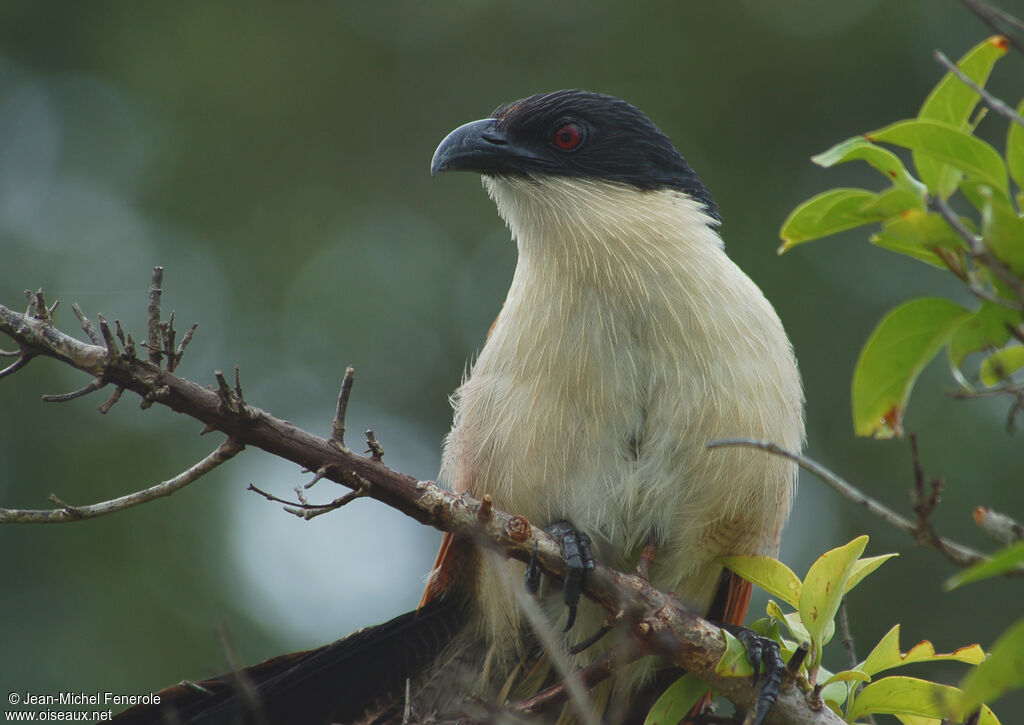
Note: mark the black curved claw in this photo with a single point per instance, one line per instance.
(762, 650)
(579, 559)
(533, 573)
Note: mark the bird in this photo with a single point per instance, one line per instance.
(628, 341)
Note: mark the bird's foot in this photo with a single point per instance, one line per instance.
(761, 651)
(579, 559)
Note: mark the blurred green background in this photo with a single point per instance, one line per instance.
(273, 157)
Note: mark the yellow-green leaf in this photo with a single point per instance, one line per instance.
(885, 161)
(910, 249)
(905, 696)
(1001, 672)
(771, 575)
(950, 145)
(986, 328)
(791, 621)
(734, 662)
(1012, 557)
(887, 655)
(863, 567)
(952, 102)
(1000, 365)
(899, 348)
(827, 213)
(823, 589)
(676, 701)
(892, 203)
(1015, 149)
(918, 720)
(848, 676)
(1003, 230)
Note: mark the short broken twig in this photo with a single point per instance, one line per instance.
(376, 450)
(87, 327)
(153, 315)
(337, 437)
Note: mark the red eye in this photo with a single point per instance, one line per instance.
(568, 137)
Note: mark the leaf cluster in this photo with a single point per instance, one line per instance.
(984, 248)
(858, 692)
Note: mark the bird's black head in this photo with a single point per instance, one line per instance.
(571, 133)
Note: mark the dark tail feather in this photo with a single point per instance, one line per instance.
(335, 683)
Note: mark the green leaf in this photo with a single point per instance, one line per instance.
(899, 348)
(823, 589)
(1003, 230)
(848, 676)
(951, 102)
(771, 575)
(836, 695)
(945, 143)
(906, 248)
(1001, 672)
(827, 213)
(917, 233)
(1000, 365)
(1015, 149)
(918, 720)
(885, 161)
(791, 621)
(903, 696)
(734, 662)
(863, 567)
(1003, 561)
(887, 655)
(893, 202)
(677, 701)
(986, 328)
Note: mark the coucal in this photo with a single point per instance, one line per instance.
(628, 341)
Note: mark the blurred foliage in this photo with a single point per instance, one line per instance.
(273, 158)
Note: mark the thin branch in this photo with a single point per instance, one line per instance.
(588, 677)
(225, 451)
(23, 359)
(94, 385)
(844, 627)
(305, 510)
(980, 251)
(998, 526)
(991, 101)
(997, 20)
(957, 553)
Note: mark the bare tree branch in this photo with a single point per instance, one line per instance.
(661, 624)
(957, 553)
